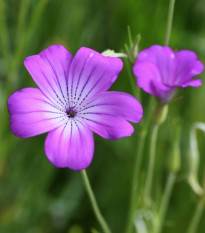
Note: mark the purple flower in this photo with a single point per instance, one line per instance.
(160, 71)
(71, 102)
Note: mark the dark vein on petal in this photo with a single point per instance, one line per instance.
(47, 119)
(86, 60)
(79, 121)
(66, 83)
(71, 132)
(56, 78)
(99, 79)
(73, 78)
(44, 101)
(80, 134)
(53, 103)
(60, 139)
(85, 118)
(44, 111)
(99, 113)
(90, 75)
(61, 103)
(96, 105)
(96, 113)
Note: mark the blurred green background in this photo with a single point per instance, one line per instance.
(36, 197)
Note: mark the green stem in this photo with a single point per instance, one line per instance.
(95, 207)
(137, 164)
(169, 21)
(166, 198)
(4, 36)
(172, 175)
(135, 90)
(130, 36)
(196, 216)
(148, 183)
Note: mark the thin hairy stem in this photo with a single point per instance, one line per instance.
(93, 201)
(169, 21)
(135, 89)
(165, 199)
(148, 183)
(196, 216)
(137, 167)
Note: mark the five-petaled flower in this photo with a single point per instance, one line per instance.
(160, 71)
(71, 102)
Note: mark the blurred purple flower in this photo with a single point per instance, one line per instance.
(71, 103)
(160, 71)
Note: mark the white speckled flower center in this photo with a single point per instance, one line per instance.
(70, 113)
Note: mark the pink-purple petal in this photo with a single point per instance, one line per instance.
(71, 145)
(49, 69)
(32, 113)
(193, 83)
(91, 73)
(188, 66)
(148, 78)
(160, 71)
(163, 58)
(117, 104)
(156, 54)
(108, 126)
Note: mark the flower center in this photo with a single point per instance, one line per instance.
(70, 113)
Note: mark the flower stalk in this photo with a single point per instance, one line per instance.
(93, 201)
(159, 116)
(197, 216)
(137, 167)
(152, 154)
(165, 199)
(173, 168)
(169, 21)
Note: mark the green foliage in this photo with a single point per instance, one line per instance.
(36, 197)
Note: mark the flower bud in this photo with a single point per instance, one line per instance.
(160, 113)
(133, 49)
